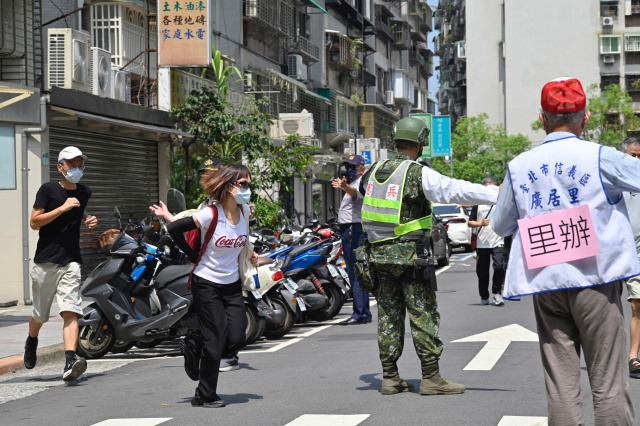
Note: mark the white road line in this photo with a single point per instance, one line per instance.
(442, 270)
(329, 420)
(466, 257)
(523, 421)
(133, 422)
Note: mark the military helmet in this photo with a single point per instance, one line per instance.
(413, 130)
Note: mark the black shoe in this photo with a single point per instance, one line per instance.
(190, 347)
(74, 368)
(350, 321)
(30, 356)
(367, 321)
(198, 401)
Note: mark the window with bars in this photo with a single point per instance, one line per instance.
(608, 8)
(608, 80)
(632, 42)
(609, 44)
(632, 82)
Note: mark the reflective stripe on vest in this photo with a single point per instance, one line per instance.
(382, 206)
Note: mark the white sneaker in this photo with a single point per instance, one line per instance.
(484, 301)
(498, 300)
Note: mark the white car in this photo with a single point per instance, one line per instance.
(457, 219)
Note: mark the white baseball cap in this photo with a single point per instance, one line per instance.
(69, 153)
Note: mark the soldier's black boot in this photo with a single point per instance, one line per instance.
(391, 381)
(434, 384)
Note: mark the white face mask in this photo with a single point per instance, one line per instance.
(242, 196)
(74, 175)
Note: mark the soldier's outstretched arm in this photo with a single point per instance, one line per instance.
(441, 189)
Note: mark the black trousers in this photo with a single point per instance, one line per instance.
(222, 320)
(485, 255)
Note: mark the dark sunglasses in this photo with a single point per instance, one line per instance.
(350, 167)
(244, 184)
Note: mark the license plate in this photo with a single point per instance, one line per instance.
(291, 285)
(301, 304)
(344, 274)
(256, 294)
(332, 270)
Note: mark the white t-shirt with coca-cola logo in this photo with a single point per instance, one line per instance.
(220, 262)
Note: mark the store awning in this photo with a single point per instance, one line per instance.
(147, 128)
(312, 3)
(319, 97)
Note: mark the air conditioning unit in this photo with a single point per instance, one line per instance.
(388, 98)
(607, 22)
(608, 59)
(120, 84)
(289, 124)
(68, 59)
(100, 72)
(297, 68)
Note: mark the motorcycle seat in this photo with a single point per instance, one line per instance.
(264, 261)
(171, 274)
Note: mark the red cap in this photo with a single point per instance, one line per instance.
(563, 95)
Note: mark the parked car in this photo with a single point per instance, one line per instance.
(457, 219)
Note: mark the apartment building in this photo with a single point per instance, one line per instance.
(496, 55)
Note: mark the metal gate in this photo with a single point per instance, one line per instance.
(121, 172)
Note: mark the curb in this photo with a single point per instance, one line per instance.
(48, 354)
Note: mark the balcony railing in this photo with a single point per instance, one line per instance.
(383, 29)
(401, 36)
(342, 53)
(275, 15)
(415, 58)
(308, 49)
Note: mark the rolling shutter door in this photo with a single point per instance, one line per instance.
(120, 171)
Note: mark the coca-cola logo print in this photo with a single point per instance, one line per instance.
(225, 242)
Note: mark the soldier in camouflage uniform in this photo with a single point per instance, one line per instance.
(399, 284)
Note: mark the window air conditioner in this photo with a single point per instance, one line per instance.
(68, 59)
(302, 124)
(297, 69)
(607, 21)
(100, 72)
(120, 84)
(388, 98)
(608, 59)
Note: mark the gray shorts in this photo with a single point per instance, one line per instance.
(633, 288)
(49, 280)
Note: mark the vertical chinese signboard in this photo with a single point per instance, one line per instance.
(441, 131)
(184, 32)
(426, 152)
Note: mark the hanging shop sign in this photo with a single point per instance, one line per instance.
(184, 32)
(441, 136)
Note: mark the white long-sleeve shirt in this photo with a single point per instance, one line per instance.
(441, 189)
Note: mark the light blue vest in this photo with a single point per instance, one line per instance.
(562, 174)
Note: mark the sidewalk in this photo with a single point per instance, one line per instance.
(14, 327)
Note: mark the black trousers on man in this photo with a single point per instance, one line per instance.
(485, 255)
(222, 320)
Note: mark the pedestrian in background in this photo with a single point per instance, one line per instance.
(577, 303)
(210, 167)
(490, 247)
(57, 213)
(631, 146)
(215, 281)
(351, 233)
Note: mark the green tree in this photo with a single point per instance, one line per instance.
(481, 149)
(611, 115)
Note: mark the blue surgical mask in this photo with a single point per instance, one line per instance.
(352, 175)
(74, 175)
(242, 195)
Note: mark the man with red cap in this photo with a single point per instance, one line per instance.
(576, 294)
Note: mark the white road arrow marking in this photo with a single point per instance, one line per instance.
(497, 342)
(329, 420)
(133, 422)
(523, 421)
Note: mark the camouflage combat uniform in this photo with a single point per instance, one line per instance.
(392, 264)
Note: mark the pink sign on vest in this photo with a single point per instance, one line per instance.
(558, 237)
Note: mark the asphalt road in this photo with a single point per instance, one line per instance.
(315, 377)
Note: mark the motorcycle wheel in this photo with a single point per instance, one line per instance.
(275, 332)
(88, 351)
(148, 345)
(333, 307)
(255, 325)
(121, 347)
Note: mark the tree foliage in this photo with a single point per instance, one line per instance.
(481, 149)
(611, 115)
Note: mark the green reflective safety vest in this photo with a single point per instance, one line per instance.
(382, 206)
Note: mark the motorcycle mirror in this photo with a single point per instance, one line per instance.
(165, 240)
(252, 221)
(116, 213)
